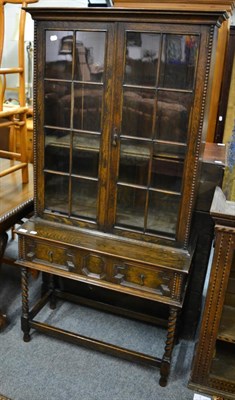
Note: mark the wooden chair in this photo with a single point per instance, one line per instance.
(11, 115)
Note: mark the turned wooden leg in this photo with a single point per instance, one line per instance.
(3, 243)
(52, 289)
(166, 359)
(25, 305)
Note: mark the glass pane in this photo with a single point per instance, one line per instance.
(162, 212)
(130, 207)
(138, 111)
(89, 56)
(167, 175)
(57, 150)
(59, 51)
(85, 155)
(173, 111)
(142, 52)
(56, 192)
(57, 104)
(179, 61)
(134, 162)
(169, 150)
(84, 198)
(87, 107)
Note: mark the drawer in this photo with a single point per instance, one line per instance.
(55, 256)
(158, 280)
(66, 258)
(154, 280)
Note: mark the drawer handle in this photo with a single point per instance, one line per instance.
(50, 256)
(142, 279)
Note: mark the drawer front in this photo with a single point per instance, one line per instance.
(51, 255)
(65, 258)
(156, 280)
(140, 278)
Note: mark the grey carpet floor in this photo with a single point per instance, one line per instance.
(49, 369)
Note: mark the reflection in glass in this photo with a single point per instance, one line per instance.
(162, 213)
(85, 154)
(169, 150)
(56, 192)
(137, 114)
(57, 150)
(59, 50)
(166, 175)
(57, 104)
(134, 162)
(89, 56)
(87, 107)
(179, 61)
(142, 52)
(130, 207)
(84, 198)
(173, 110)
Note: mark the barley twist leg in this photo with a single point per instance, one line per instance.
(25, 305)
(166, 359)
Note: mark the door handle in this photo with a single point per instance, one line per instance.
(115, 137)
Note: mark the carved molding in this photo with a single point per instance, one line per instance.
(213, 306)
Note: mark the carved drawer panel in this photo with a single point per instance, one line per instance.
(112, 271)
(66, 258)
(156, 280)
(51, 255)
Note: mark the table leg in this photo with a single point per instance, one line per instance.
(170, 340)
(25, 305)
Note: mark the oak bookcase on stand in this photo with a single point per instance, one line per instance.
(121, 104)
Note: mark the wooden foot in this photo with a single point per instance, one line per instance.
(26, 337)
(3, 322)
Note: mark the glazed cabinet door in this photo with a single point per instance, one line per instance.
(121, 125)
(74, 124)
(156, 133)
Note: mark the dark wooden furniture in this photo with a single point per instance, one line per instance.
(213, 369)
(225, 87)
(16, 202)
(211, 175)
(212, 172)
(119, 127)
